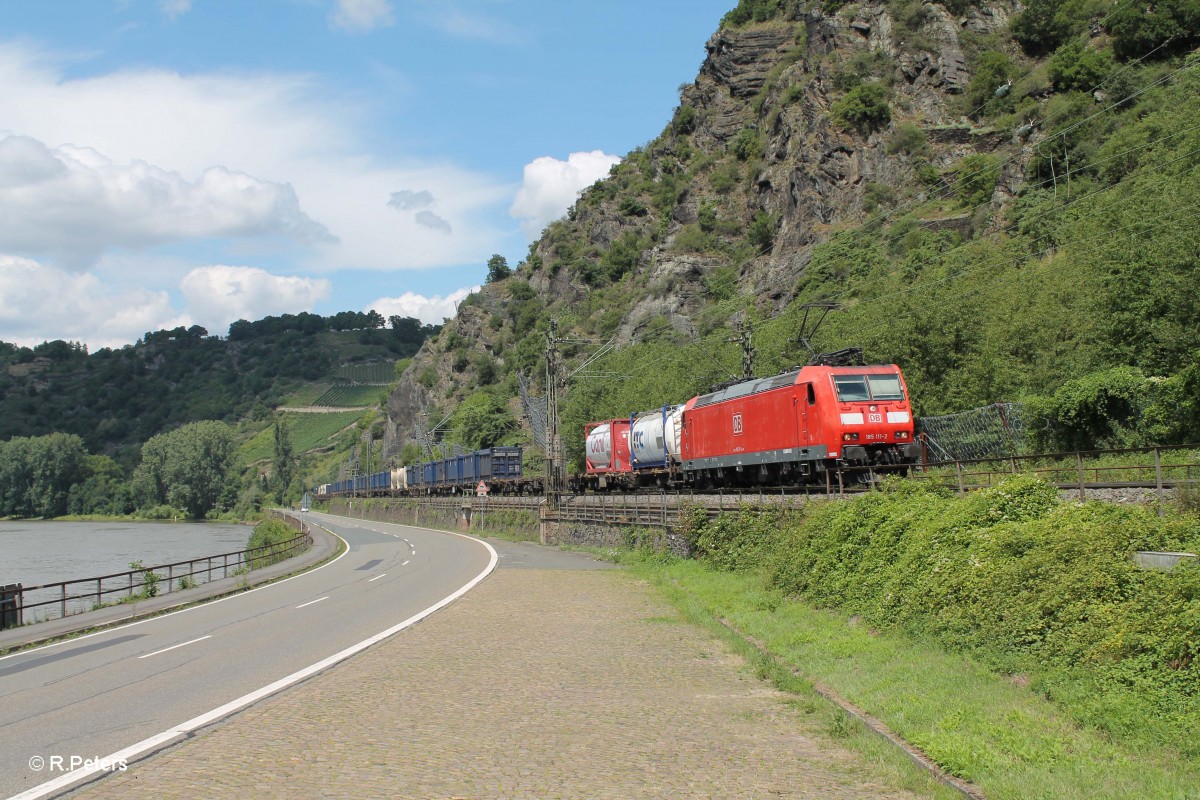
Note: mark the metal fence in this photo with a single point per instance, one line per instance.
(20, 605)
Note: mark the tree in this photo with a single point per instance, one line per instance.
(497, 268)
(1162, 28)
(186, 468)
(37, 474)
(482, 420)
(283, 466)
(1043, 25)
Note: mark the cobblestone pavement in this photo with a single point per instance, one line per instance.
(538, 684)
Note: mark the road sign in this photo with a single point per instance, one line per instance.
(481, 488)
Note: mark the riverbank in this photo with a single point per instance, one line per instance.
(325, 547)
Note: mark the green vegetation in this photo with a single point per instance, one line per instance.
(272, 534)
(116, 399)
(186, 468)
(307, 432)
(953, 619)
(864, 108)
(757, 11)
(350, 396)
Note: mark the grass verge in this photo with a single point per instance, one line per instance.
(980, 726)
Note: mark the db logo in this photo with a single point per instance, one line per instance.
(737, 424)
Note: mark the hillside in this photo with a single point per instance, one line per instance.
(999, 198)
(117, 399)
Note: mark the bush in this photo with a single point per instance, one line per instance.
(993, 71)
(1099, 411)
(876, 195)
(864, 108)
(725, 177)
(1076, 68)
(747, 145)
(909, 139)
(977, 178)
(271, 534)
(734, 543)
(762, 231)
(685, 120)
(756, 11)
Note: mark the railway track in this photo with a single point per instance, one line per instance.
(667, 509)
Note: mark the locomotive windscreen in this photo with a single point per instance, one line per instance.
(863, 388)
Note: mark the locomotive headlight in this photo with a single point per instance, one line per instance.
(873, 408)
(849, 437)
(901, 434)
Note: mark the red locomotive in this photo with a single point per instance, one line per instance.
(804, 425)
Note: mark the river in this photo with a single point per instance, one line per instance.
(34, 553)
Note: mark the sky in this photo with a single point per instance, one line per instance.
(196, 162)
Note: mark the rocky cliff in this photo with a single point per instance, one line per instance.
(798, 126)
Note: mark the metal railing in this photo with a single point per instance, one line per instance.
(65, 598)
(1081, 470)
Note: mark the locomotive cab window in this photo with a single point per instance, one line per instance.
(863, 388)
(851, 388)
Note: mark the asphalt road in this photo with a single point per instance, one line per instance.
(133, 689)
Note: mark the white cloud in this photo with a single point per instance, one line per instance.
(306, 138)
(360, 16)
(550, 186)
(73, 203)
(174, 9)
(79, 308)
(218, 295)
(430, 310)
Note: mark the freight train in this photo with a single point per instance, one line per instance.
(498, 468)
(810, 424)
(807, 424)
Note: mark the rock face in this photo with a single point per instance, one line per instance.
(755, 138)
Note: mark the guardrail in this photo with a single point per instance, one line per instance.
(65, 598)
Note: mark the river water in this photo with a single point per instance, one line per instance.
(34, 553)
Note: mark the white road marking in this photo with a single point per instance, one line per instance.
(404, 564)
(310, 602)
(172, 647)
(133, 751)
(377, 577)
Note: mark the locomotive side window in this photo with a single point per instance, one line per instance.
(812, 395)
(861, 388)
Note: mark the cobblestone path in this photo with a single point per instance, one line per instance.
(537, 684)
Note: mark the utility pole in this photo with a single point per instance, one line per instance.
(745, 337)
(554, 483)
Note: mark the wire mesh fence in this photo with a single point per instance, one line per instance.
(992, 431)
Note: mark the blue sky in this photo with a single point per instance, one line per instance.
(179, 162)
